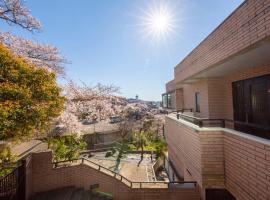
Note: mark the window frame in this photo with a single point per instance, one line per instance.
(197, 102)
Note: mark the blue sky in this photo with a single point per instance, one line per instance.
(105, 43)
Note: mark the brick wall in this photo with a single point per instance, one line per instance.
(216, 98)
(227, 158)
(247, 167)
(189, 97)
(212, 159)
(44, 177)
(248, 24)
(216, 93)
(184, 149)
(170, 86)
(179, 99)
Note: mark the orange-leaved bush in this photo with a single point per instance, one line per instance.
(29, 97)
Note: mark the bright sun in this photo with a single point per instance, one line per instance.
(158, 22)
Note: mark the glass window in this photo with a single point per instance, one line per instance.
(169, 100)
(197, 102)
(164, 101)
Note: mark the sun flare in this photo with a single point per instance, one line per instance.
(158, 21)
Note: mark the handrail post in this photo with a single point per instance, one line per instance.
(200, 123)
(178, 115)
(82, 160)
(140, 184)
(223, 123)
(99, 168)
(131, 184)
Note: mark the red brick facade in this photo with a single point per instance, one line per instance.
(41, 176)
(216, 93)
(220, 158)
(247, 25)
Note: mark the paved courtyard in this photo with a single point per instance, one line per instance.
(128, 166)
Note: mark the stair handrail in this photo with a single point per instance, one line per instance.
(130, 183)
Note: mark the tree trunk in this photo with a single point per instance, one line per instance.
(142, 152)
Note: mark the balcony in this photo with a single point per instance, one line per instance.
(212, 153)
(247, 128)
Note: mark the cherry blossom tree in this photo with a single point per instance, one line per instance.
(41, 55)
(14, 12)
(84, 102)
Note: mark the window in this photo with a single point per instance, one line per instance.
(164, 101)
(169, 100)
(197, 102)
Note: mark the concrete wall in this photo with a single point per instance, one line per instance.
(44, 177)
(221, 158)
(101, 138)
(246, 26)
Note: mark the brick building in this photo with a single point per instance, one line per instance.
(223, 144)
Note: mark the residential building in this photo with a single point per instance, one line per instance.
(224, 144)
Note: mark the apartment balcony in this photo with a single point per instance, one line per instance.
(215, 155)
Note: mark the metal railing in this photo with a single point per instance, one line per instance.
(180, 111)
(126, 181)
(249, 128)
(12, 185)
(203, 122)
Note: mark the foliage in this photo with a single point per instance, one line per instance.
(142, 133)
(119, 150)
(159, 146)
(66, 147)
(29, 97)
(140, 141)
(6, 160)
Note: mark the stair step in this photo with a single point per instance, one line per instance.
(77, 194)
(71, 193)
(56, 194)
(99, 196)
(85, 196)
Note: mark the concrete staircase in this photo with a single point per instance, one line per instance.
(71, 193)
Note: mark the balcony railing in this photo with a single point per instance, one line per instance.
(180, 111)
(129, 183)
(249, 128)
(203, 122)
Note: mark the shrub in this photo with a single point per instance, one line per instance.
(66, 147)
(6, 160)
